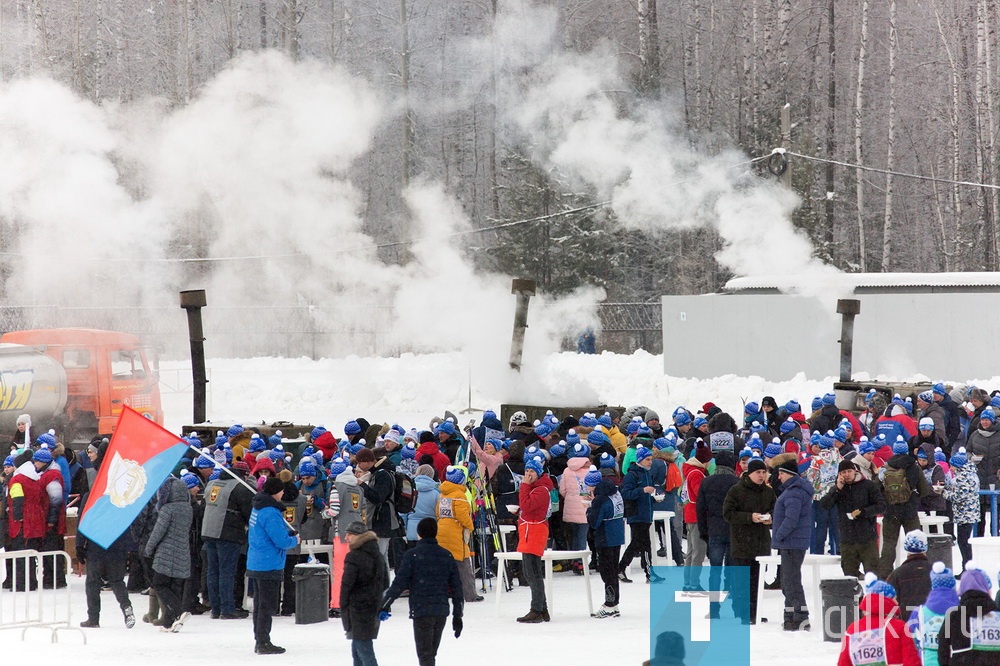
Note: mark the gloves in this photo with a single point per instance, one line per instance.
(856, 513)
(456, 624)
(384, 615)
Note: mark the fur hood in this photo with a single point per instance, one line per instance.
(362, 539)
(782, 457)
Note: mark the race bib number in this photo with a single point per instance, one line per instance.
(868, 648)
(986, 632)
(618, 505)
(445, 509)
(721, 441)
(930, 628)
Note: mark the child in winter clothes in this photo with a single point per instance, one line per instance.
(533, 534)
(347, 505)
(969, 634)
(576, 496)
(454, 514)
(879, 636)
(926, 620)
(427, 502)
(965, 500)
(606, 516)
(822, 474)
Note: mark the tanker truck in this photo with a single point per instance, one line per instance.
(75, 380)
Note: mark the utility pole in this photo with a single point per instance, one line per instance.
(786, 141)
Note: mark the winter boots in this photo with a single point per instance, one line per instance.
(268, 648)
(129, 616)
(153, 616)
(534, 617)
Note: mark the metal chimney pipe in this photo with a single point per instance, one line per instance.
(523, 290)
(848, 308)
(193, 301)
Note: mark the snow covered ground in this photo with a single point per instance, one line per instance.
(410, 390)
(572, 633)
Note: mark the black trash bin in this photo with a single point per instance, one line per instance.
(939, 549)
(840, 606)
(312, 593)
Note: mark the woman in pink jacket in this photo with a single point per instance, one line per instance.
(577, 496)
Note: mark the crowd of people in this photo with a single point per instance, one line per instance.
(392, 499)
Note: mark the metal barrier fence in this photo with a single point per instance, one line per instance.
(314, 331)
(25, 603)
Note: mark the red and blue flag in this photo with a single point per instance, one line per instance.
(140, 456)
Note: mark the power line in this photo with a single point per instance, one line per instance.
(390, 244)
(887, 172)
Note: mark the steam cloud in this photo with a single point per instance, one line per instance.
(258, 165)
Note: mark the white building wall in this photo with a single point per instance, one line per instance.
(775, 336)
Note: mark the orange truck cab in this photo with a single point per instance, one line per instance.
(95, 373)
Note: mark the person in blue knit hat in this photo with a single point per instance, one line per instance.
(984, 441)
(606, 517)
(912, 577)
(970, 635)
(925, 621)
(637, 487)
(964, 500)
(903, 484)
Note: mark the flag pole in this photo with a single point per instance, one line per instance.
(238, 479)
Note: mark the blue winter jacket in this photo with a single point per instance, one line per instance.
(609, 529)
(792, 517)
(427, 501)
(658, 473)
(268, 538)
(637, 478)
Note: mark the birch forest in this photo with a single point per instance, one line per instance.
(873, 88)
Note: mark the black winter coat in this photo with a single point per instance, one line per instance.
(955, 634)
(365, 579)
(827, 419)
(952, 423)
(378, 493)
(430, 573)
(915, 478)
(912, 580)
(711, 496)
(864, 495)
(748, 539)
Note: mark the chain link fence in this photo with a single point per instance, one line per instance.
(626, 327)
(296, 331)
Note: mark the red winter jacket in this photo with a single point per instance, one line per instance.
(532, 523)
(881, 613)
(694, 473)
(441, 461)
(53, 475)
(28, 499)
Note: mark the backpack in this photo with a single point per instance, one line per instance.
(897, 488)
(674, 478)
(506, 482)
(404, 493)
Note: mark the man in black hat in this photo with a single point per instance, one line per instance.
(747, 509)
(792, 536)
(431, 575)
(268, 542)
(859, 502)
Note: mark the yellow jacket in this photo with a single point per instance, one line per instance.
(454, 514)
(618, 439)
